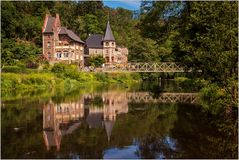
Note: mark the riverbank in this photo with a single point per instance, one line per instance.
(214, 98)
(70, 80)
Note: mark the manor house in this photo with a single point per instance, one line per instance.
(105, 46)
(61, 44)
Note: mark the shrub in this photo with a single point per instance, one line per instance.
(12, 69)
(58, 68)
(103, 77)
(96, 61)
(32, 65)
(10, 81)
(214, 98)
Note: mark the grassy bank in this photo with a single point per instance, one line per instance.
(63, 76)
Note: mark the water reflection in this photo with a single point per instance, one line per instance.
(99, 110)
(111, 123)
(62, 119)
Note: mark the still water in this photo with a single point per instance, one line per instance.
(142, 121)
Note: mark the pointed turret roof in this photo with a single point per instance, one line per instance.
(109, 127)
(108, 33)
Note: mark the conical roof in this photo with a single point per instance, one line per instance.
(109, 127)
(108, 33)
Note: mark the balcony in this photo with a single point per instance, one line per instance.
(65, 47)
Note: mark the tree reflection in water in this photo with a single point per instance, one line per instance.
(108, 124)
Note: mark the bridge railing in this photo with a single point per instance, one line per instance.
(146, 67)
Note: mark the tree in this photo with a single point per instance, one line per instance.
(96, 61)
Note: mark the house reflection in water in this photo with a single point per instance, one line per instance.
(62, 119)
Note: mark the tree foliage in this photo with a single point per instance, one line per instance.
(96, 61)
(202, 35)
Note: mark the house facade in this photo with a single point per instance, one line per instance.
(61, 44)
(105, 46)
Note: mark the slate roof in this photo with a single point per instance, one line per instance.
(94, 120)
(94, 41)
(109, 127)
(108, 33)
(49, 25)
(70, 34)
(49, 29)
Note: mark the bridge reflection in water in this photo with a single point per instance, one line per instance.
(98, 111)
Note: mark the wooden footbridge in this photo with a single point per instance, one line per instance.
(146, 67)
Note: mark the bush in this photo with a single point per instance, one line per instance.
(96, 61)
(58, 68)
(214, 98)
(12, 69)
(103, 77)
(10, 81)
(32, 65)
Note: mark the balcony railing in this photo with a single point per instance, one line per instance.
(65, 47)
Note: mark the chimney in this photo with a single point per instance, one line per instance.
(57, 21)
(45, 21)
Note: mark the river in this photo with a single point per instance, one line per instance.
(141, 121)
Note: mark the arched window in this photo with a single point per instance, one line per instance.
(48, 45)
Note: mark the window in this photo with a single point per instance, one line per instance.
(49, 55)
(107, 44)
(58, 108)
(48, 45)
(112, 43)
(66, 54)
(48, 36)
(107, 51)
(58, 55)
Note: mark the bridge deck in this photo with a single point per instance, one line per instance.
(146, 67)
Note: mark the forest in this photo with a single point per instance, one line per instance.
(201, 35)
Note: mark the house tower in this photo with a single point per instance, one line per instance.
(109, 44)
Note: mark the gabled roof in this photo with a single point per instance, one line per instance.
(94, 120)
(49, 25)
(94, 41)
(108, 33)
(70, 34)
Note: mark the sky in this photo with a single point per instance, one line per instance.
(127, 4)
